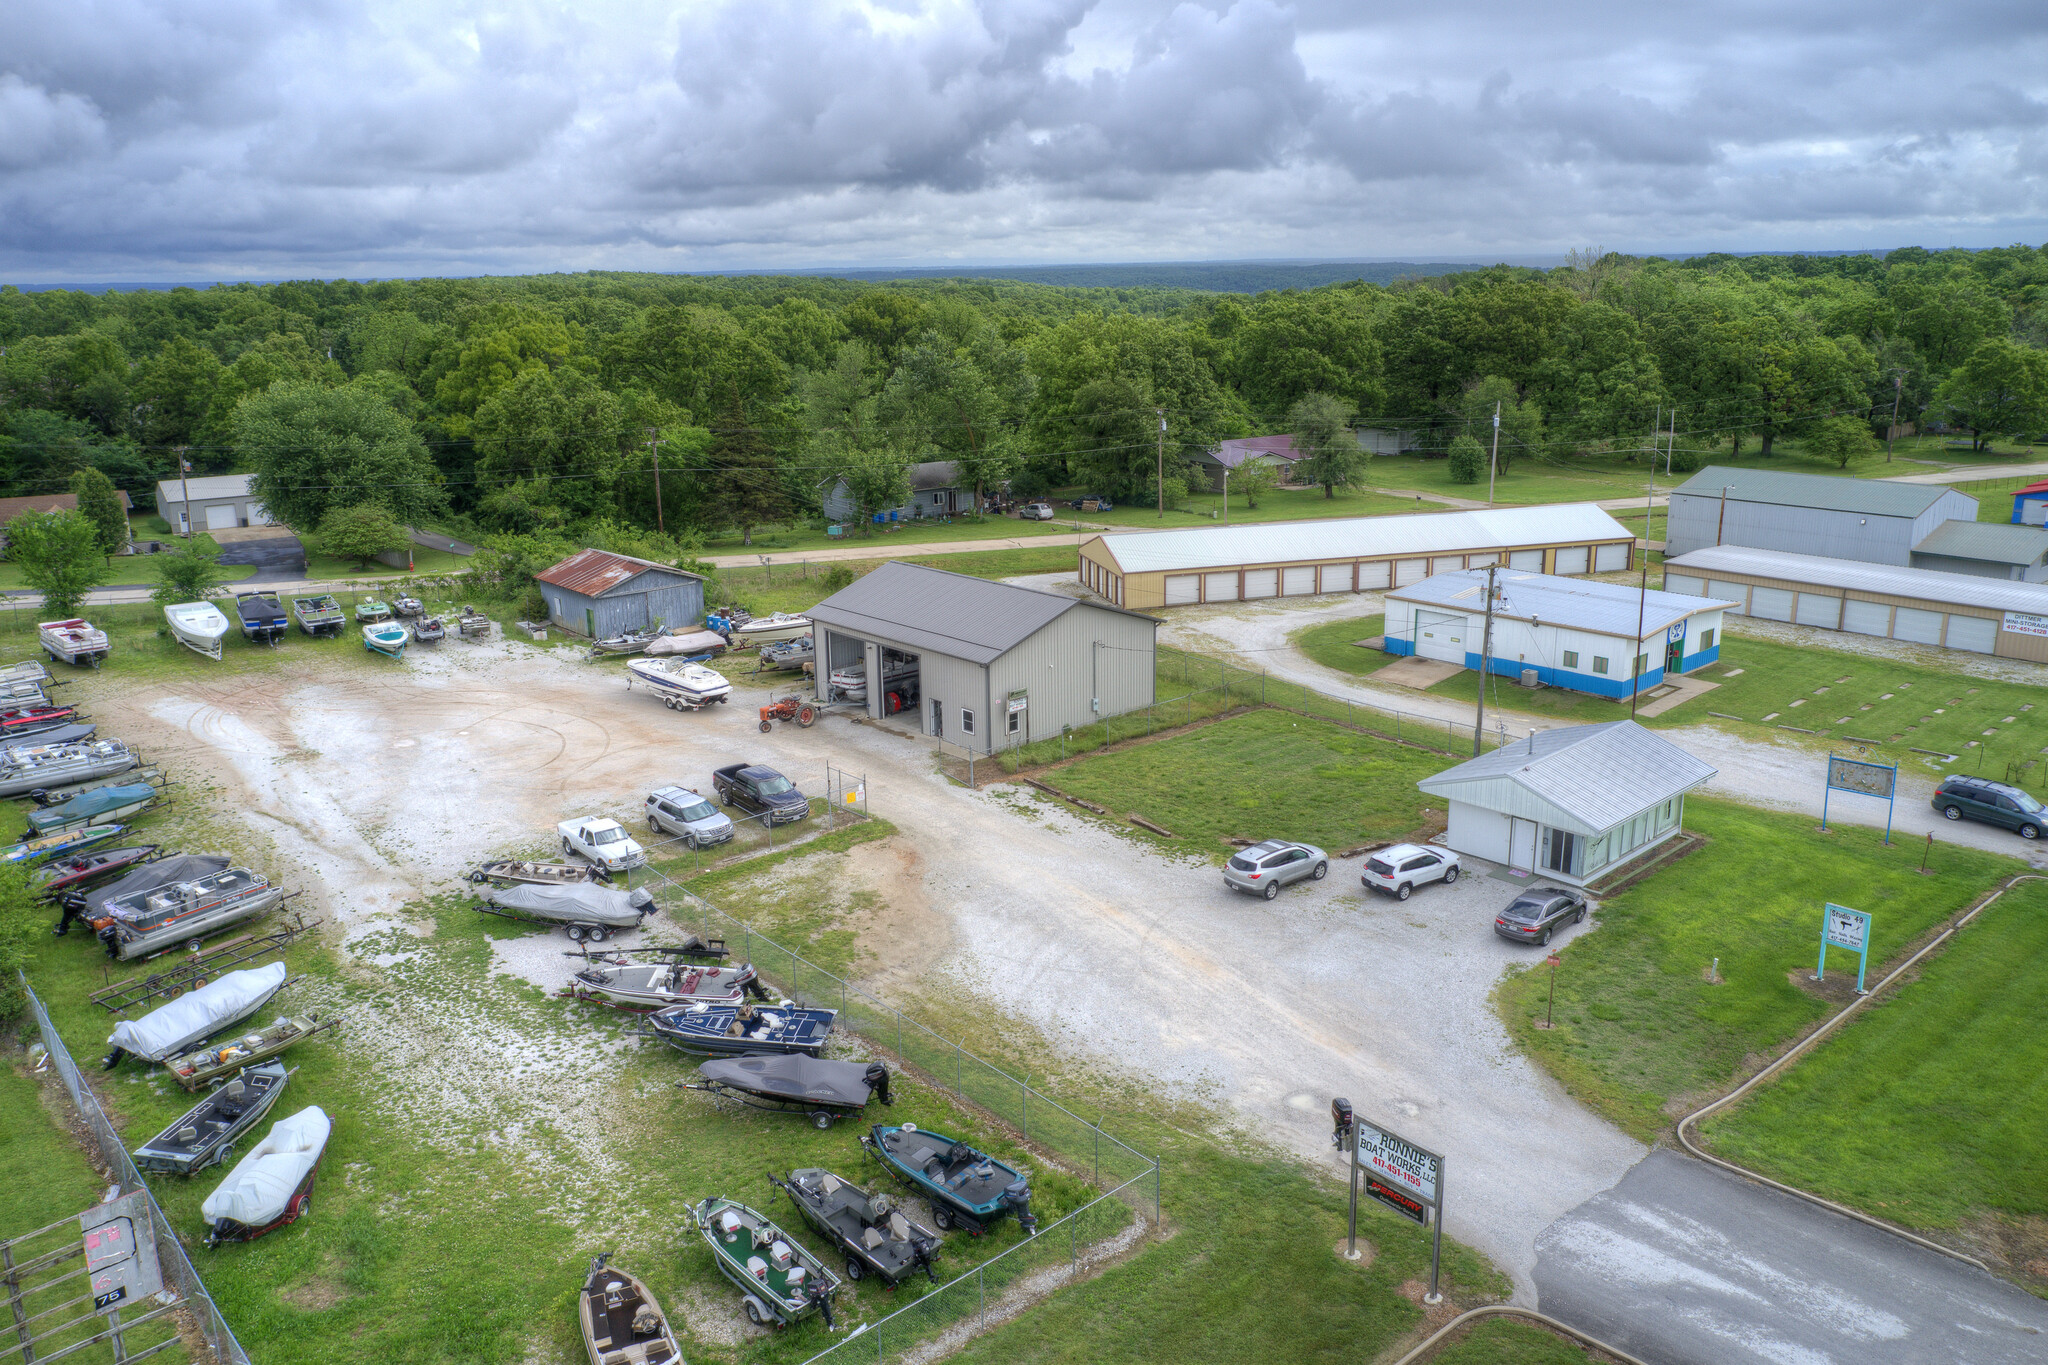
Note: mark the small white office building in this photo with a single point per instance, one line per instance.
(1570, 804)
(1577, 633)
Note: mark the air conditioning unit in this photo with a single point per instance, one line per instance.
(1529, 678)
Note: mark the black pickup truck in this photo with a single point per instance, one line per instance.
(763, 791)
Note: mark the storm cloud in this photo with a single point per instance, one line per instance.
(163, 139)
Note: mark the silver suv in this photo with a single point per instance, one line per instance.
(683, 812)
(1264, 868)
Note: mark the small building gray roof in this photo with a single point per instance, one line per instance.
(1865, 497)
(1573, 603)
(1992, 541)
(976, 619)
(1585, 779)
(209, 486)
(1854, 575)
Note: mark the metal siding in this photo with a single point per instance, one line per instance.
(1818, 531)
(1866, 618)
(1975, 568)
(1182, 589)
(1053, 666)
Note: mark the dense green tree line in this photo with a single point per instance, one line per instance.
(542, 405)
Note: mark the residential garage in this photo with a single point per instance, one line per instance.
(217, 502)
(1145, 570)
(1977, 615)
(985, 666)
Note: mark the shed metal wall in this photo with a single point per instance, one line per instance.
(2010, 644)
(1696, 522)
(677, 604)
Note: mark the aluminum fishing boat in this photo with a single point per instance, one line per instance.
(680, 684)
(273, 1185)
(219, 1059)
(820, 1090)
(408, 608)
(198, 626)
(782, 1283)
(387, 638)
(76, 641)
(791, 653)
(622, 1320)
(734, 1030)
(373, 609)
(205, 1134)
(186, 912)
(64, 841)
(870, 1231)
(428, 630)
(527, 873)
(967, 1189)
(626, 642)
(222, 1003)
(320, 616)
(263, 617)
(23, 770)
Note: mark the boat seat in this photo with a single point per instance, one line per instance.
(757, 1268)
(899, 1227)
(872, 1238)
(830, 1183)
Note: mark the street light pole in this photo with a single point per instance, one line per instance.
(1898, 382)
(185, 488)
(1485, 650)
(1493, 460)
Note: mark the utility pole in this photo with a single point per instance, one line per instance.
(1670, 447)
(185, 487)
(1162, 462)
(654, 444)
(1485, 652)
(1898, 382)
(1226, 495)
(1493, 460)
(1635, 665)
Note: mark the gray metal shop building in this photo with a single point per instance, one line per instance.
(986, 666)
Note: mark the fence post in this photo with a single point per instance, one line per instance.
(956, 1069)
(1023, 1109)
(981, 1283)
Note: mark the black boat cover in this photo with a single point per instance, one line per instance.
(63, 734)
(179, 867)
(795, 1078)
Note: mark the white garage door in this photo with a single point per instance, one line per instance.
(1261, 582)
(1408, 571)
(1531, 560)
(1183, 588)
(1336, 578)
(1446, 563)
(1373, 575)
(1222, 587)
(1685, 583)
(1772, 604)
(222, 518)
(1481, 561)
(1974, 633)
(1818, 609)
(1439, 636)
(1921, 627)
(1571, 559)
(1866, 618)
(1609, 557)
(1299, 582)
(1734, 594)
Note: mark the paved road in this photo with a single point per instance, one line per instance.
(1682, 1262)
(1971, 475)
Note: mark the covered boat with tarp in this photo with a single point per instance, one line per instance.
(186, 912)
(91, 906)
(688, 644)
(794, 1083)
(622, 1320)
(273, 1185)
(585, 909)
(23, 770)
(734, 1030)
(169, 1029)
(113, 801)
(781, 1282)
(876, 1237)
(967, 1188)
(263, 617)
(76, 732)
(204, 1134)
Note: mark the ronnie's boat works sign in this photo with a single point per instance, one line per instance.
(1399, 1162)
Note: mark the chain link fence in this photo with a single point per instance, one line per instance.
(177, 1267)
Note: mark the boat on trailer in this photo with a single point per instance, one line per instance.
(110, 801)
(820, 1090)
(173, 1028)
(529, 873)
(320, 616)
(625, 984)
(34, 718)
(428, 630)
(217, 1059)
(760, 630)
(388, 638)
(372, 609)
(81, 870)
(626, 642)
(871, 1232)
(734, 1030)
(148, 922)
(263, 617)
(76, 641)
(273, 1185)
(681, 684)
(967, 1188)
(408, 608)
(198, 626)
(23, 770)
(781, 1282)
(28, 670)
(205, 1134)
(622, 1320)
(584, 909)
(63, 841)
(45, 741)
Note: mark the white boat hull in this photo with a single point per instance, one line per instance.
(199, 626)
(772, 628)
(689, 685)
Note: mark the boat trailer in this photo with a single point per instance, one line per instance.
(200, 968)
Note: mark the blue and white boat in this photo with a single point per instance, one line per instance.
(680, 683)
(386, 637)
(967, 1188)
(735, 1030)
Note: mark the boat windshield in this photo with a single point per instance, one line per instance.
(703, 810)
(773, 786)
(607, 836)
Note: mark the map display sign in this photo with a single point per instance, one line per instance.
(1399, 1163)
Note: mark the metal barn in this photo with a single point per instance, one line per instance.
(597, 593)
(1873, 520)
(985, 666)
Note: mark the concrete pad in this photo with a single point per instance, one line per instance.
(1682, 690)
(231, 535)
(1418, 673)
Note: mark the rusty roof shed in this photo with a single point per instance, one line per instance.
(598, 593)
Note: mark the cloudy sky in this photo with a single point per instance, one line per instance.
(200, 139)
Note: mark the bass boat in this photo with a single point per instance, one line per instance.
(734, 1030)
(80, 870)
(205, 1134)
(822, 1091)
(625, 984)
(967, 1189)
(871, 1232)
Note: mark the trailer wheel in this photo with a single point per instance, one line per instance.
(754, 1313)
(854, 1269)
(806, 716)
(823, 1120)
(191, 945)
(596, 933)
(942, 1218)
(576, 933)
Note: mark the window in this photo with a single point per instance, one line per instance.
(1706, 639)
(966, 721)
(1558, 850)
(1571, 658)
(1016, 722)
(1600, 663)
(938, 499)
(1642, 664)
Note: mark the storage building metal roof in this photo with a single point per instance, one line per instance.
(1421, 533)
(594, 573)
(1854, 575)
(209, 486)
(1995, 542)
(1865, 497)
(1572, 603)
(976, 619)
(1585, 779)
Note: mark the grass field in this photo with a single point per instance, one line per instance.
(1260, 774)
(329, 568)
(1500, 1340)
(1639, 1026)
(799, 587)
(1927, 1108)
(1278, 504)
(788, 540)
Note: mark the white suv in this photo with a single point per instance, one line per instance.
(1400, 869)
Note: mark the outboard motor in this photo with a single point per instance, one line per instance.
(877, 1078)
(1341, 1121)
(823, 1294)
(642, 900)
(1017, 1195)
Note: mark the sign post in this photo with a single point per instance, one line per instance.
(1847, 929)
(1865, 779)
(1406, 1178)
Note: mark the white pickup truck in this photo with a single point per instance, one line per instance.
(604, 842)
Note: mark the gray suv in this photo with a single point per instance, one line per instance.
(1995, 803)
(1264, 868)
(681, 811)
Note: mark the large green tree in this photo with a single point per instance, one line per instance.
(2001, 387)
(99, 502)
(559, 432)
(964, 403)
(313, 449)
(1292, 345)
(189, 571)
(362, 533)
(60, 558)
(1329, 449)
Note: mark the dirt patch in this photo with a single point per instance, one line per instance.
(315, 1293)
(1367, 1253)
(2017, 1246)
(719, 1321)
(906, 935)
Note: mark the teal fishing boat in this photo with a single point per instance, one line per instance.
(386, 637)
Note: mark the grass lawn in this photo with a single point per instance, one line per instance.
(787, 540)
(799, 587)
(1279, 504)
(1994, 496)
(1263, 774)
(1928, 1107)
(1640, 1030)
(425, 561)
(1509, 1341)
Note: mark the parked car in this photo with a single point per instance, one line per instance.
(689, 815)
(1092, 504)
(604, 842)
(1400, 869)
(1995, 803)
(1535, 915)
(1264, 868)
(763, 791)
(1037, 511)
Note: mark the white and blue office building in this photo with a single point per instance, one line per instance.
(1604, 638)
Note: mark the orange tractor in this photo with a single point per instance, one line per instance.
(788, 708)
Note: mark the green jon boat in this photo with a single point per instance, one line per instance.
(370, 609)
(218, 1060)
(780, 1282)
